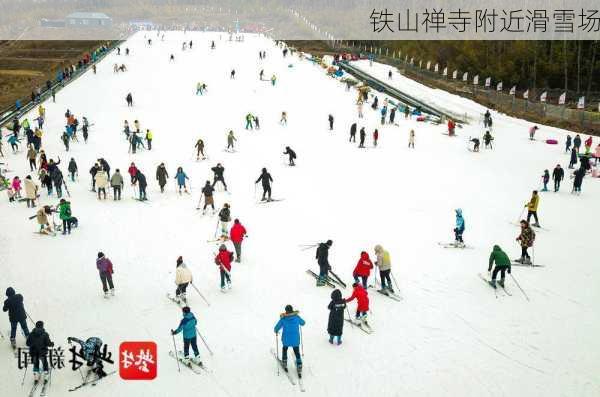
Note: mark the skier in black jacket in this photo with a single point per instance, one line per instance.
(72, 168)
(141, 178)
(224, 219)
(363, 135)
(218, 171)
(557, 175)
(93, 171)
(38, 342)
(266, 179)
(16, 313)
(330, 118)
(291, 155)
(335, 325)
(323, 261)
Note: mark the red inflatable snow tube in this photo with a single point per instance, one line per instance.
(551, 141)
(421, 118)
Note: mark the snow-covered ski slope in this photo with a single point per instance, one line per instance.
(449, 336)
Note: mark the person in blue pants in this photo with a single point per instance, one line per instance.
(290, 322)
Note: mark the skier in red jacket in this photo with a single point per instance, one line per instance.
(362, 300)
(223, 260)
(363, 269)
(237, 234)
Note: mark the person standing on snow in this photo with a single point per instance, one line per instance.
(362, 302)
(573, 160)
(291, 156)
(207, 191)
(266, 179)
(187, 326)
(330, 119)
(578, 180)
(568, 144)
(532, 132)
(384, 264)
(411, 139)
(487, 140)
(180, 176)
(363, 136)
(545, 180)
(532, 207)
(230, 140)
(335, 324)
(16, 314)
(161, 176)
(502, 262)
(93, 171)
(459, 229)
(352, 133)
(200, 149)
(290, 322)
(140, 180)
(183, 277)
(105, 270)
(72, 168)
(558, 175)
(149, 138)
(129, 99)
(322, 257)
(375, 137)
(116, 182)
(362, 269)
(237, 234)
(101, 179)
(577, 142)
(223, 260)
(249, 121)
(38, 342)
(224, 219)
(526, 240)
(218, 171)
(64, 213)
(31, 191)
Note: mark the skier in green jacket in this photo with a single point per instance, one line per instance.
(502, 264)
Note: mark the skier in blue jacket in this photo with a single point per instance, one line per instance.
(459, 229)
(188, 327)
(291, 322)
(181, 177)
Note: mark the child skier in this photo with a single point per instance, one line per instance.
(487, 140)
(459, 229)
(161, 176)
(91, 352)
(200, 149)
(187, 326)
(72, 168)
(545, 180)
(335, 325)
(218, 171)
(224, 219)
(207, 191)
(411, 139)
(230, 140)
(362, 302)
(183, 277)
(322, 257)
(502, 262)
(180, 176)
(291, 156)
(290, 322)
(223, 260)
(375, 137)
(266, 180)
(105, 270)
(363, 269)
(526, 239)
(38, 342)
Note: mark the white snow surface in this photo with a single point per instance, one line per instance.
(449, 336)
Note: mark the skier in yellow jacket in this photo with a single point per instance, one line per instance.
(532, 207)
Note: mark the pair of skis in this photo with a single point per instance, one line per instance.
(269, 201)
(316, 276)
(195, 368)
(454, 245)
(287, 372)
(362, 325)
(489, 282)
(390, 295)
(92, 382)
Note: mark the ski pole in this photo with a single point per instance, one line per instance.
(175, 350)
(25, 373)
(199, 293)
(515, 280)
(204, 341)
(30, 319)
(532, 255)
(349, 317)
(277, 352)
(301, 342)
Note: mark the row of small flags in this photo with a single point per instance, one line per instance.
(488, 83)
